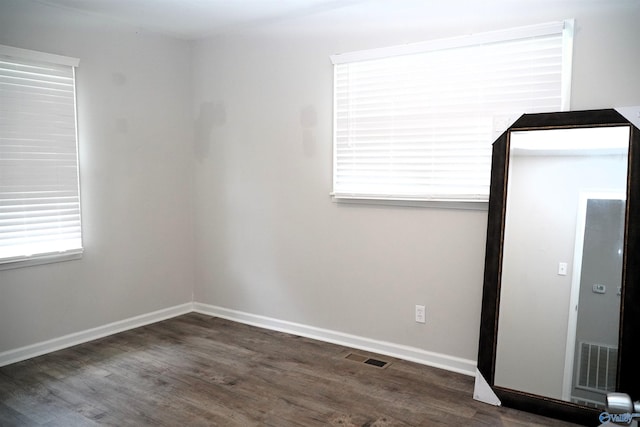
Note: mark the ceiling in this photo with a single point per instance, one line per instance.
(195, 19)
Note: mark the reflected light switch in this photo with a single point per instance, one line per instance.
(562, 269)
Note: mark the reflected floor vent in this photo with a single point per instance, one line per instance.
(587, 402)
(597, 367)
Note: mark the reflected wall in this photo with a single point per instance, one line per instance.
(549, 173)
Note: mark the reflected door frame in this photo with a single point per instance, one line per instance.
(574, 299)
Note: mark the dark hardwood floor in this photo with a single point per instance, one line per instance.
(196, 370)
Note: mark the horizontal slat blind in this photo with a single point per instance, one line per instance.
(39, 194)
(420, 126)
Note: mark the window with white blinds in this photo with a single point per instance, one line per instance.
(39, 185)
(416, 122)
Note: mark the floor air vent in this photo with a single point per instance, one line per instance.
(367, 360)
(597, 367)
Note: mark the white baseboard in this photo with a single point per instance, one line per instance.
(27, 352)
(413, 354)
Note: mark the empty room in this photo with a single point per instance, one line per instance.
(261, 212)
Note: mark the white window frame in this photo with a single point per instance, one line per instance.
(501, 120)
(67, 241)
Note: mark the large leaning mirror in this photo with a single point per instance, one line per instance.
(560, 323)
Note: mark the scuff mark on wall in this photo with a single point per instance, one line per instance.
(122, 125)
(119, 79)
(210, 116)
(308, 121)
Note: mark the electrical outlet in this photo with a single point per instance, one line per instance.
(420, 314)
(562, 268)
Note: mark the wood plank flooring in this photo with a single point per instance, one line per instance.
(197, 370)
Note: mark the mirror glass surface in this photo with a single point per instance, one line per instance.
(559, 305)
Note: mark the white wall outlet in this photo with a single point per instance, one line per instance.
(562, 268)
(420, 314)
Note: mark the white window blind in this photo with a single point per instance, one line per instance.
(416, 122)
(39, 185)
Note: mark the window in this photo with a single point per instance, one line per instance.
(39, 180)
(416, 122)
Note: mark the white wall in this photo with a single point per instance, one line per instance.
(269, 239)
(135, 155)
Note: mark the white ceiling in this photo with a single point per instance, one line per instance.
(194, 19)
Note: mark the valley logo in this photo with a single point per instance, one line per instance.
(625, 418)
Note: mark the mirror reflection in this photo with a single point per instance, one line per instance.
(562, 262)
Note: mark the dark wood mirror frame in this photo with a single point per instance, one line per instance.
(628, 375)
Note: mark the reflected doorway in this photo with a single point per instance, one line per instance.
(595, 300)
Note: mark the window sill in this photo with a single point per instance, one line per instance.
(40, 259)
(413, 203)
